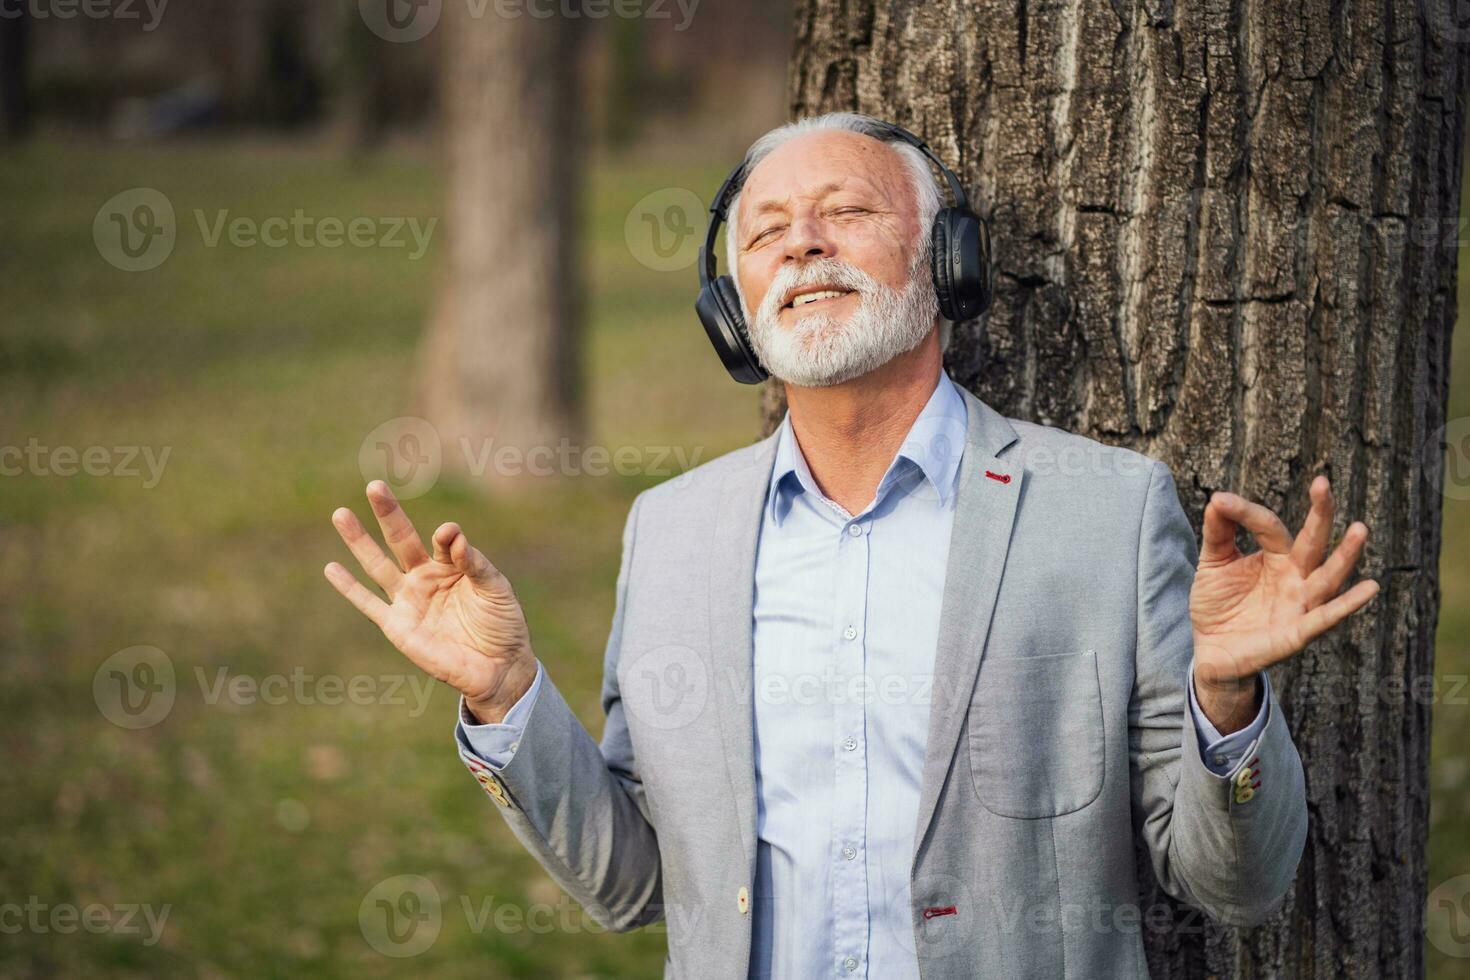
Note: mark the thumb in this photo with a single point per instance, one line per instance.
(1217, 537)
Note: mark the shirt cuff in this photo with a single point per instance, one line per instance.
(1223, 753)
(495, 745)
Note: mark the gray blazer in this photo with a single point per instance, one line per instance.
(1059, 731)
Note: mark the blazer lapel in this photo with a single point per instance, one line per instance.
(731, 664)
(989, 490)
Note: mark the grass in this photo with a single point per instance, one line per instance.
(263, 827)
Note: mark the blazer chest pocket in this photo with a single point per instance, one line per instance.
(1036, 734)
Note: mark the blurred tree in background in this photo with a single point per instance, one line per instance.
(15, 93)
(500, 360)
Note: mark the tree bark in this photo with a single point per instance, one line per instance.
(499, 361)
(1226, 235)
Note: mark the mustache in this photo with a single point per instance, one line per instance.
(817, 272)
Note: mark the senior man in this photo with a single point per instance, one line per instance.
(892, 692)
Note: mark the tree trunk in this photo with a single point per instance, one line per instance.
(1225, 234)
(500, 357)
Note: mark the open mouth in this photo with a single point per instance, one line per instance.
(814, 296)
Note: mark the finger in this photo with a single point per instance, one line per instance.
(377, 565)
(398, 530)
(441, 539)
(1316, 533)
(1327, 581)
(472, 562)
(1260, 521)
(356, 593)
(1329, 614)
(1217, 537)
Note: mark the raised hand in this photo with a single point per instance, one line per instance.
(452, 613)
(1252, 611)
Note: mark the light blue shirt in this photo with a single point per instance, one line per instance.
(846, 623)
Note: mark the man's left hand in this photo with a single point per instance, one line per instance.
(1252, 611)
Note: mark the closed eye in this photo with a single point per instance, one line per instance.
(764, 236)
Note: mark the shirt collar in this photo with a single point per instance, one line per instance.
(931, 449)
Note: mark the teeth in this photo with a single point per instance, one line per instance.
(806, 298)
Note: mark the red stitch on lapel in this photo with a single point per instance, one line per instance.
(1002, 477)
(937, 911)
(1256, 784)
(1254, 761)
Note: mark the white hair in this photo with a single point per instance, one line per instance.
(921, 178)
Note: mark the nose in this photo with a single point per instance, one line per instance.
(808, 238)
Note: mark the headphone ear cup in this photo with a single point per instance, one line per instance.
(961, 264)
(987, 271)
(940, 264)
(718, 307)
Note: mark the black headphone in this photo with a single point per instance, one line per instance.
(959, 257)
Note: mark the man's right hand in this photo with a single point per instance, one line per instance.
(452, 613)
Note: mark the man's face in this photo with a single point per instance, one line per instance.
(827, 264)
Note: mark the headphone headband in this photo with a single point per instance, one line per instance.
(719, 208)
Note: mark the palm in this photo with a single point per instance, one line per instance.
(1252, 611)
(453, 630)
(453, 613)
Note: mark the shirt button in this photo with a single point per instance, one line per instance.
(849, 964)
(850, 633)
(849, 743)
(849, 852)
(854, 530)
(1220, 760)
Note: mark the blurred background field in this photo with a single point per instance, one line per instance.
(264, 827)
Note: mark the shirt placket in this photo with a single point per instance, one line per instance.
(850, 754)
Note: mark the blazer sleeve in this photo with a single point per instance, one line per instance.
(1228, 844)
(579, 807)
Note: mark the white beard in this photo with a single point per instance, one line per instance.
(818, 349)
